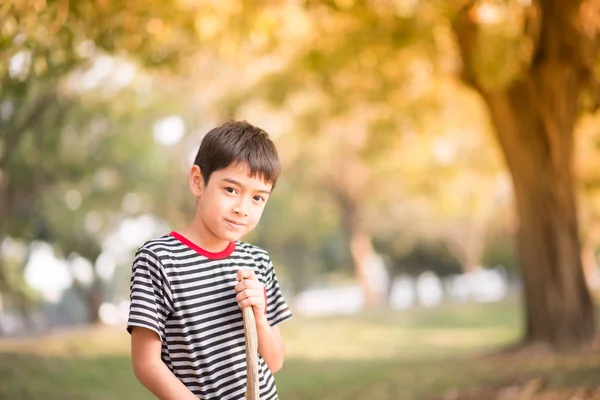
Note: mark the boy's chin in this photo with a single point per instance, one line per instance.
(231, 236)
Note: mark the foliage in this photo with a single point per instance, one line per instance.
(65, 121)
(362, 97)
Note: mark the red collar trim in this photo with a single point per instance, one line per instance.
(215, 256)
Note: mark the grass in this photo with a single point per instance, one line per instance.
(419, 354)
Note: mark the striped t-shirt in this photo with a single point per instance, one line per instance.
(187, 296)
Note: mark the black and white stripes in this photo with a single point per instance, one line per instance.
(187, 296)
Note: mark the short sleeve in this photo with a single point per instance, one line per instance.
(150, 296)
(277, 308)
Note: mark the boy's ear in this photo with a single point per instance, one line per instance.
(196, 181)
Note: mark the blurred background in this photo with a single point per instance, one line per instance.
(436, 226)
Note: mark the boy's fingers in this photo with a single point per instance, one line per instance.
(245, 303)
(241, 296)
(247, 294)
(249, 301)
(239, 287)
(246, 273)
(247, 284)
(250, 298)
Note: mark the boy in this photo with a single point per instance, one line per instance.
(188, 287)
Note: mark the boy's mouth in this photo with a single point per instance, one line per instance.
(235, 224)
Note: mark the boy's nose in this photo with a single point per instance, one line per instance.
(238, 211)
(241, 209)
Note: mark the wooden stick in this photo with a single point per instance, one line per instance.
(251, 354)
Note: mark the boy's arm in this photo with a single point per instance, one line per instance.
(151, 371)
(270, 344)
(250, 292)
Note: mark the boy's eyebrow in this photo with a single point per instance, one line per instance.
(234, 182)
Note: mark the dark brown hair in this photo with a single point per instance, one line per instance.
(238, 142)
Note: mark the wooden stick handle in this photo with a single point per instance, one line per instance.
(251, 354)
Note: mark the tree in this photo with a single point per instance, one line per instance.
(300, 227)
(532, 64)
(339, 168)
(46, 50)
(588, 173)
(534, 110)
(452, 178)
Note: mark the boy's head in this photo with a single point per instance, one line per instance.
(238, 142)
(233, 175)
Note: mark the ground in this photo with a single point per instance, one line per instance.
(447, 353)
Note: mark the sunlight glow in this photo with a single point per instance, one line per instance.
(19, 65)
(46, 273)
(107, 72)
(93, 222)
(105, 266)
(131, 203)
(169, 131)
(6, 110)
(109, 314)
(489, 13)
(82, 270)
(73, 199)
(86, 48)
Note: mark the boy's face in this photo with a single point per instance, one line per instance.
(232, 202)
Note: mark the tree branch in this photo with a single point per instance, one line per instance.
(466, 29)
(12, 195)
(589, 27)
(466, 33)
(13, 136)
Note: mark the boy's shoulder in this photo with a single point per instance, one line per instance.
(157, 246)
(253, 250)
(167, 243)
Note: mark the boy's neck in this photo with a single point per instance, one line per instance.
(199, 234)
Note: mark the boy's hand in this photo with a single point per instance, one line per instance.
(250, 292)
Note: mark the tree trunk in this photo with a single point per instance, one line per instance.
(469, 246)
(93, 304)
(360, 244)
(588, 255)
(473, 254)
(534, 121)
(361, 249)
(92, 298)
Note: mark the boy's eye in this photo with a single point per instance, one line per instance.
(259, 198)
(230, 190)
